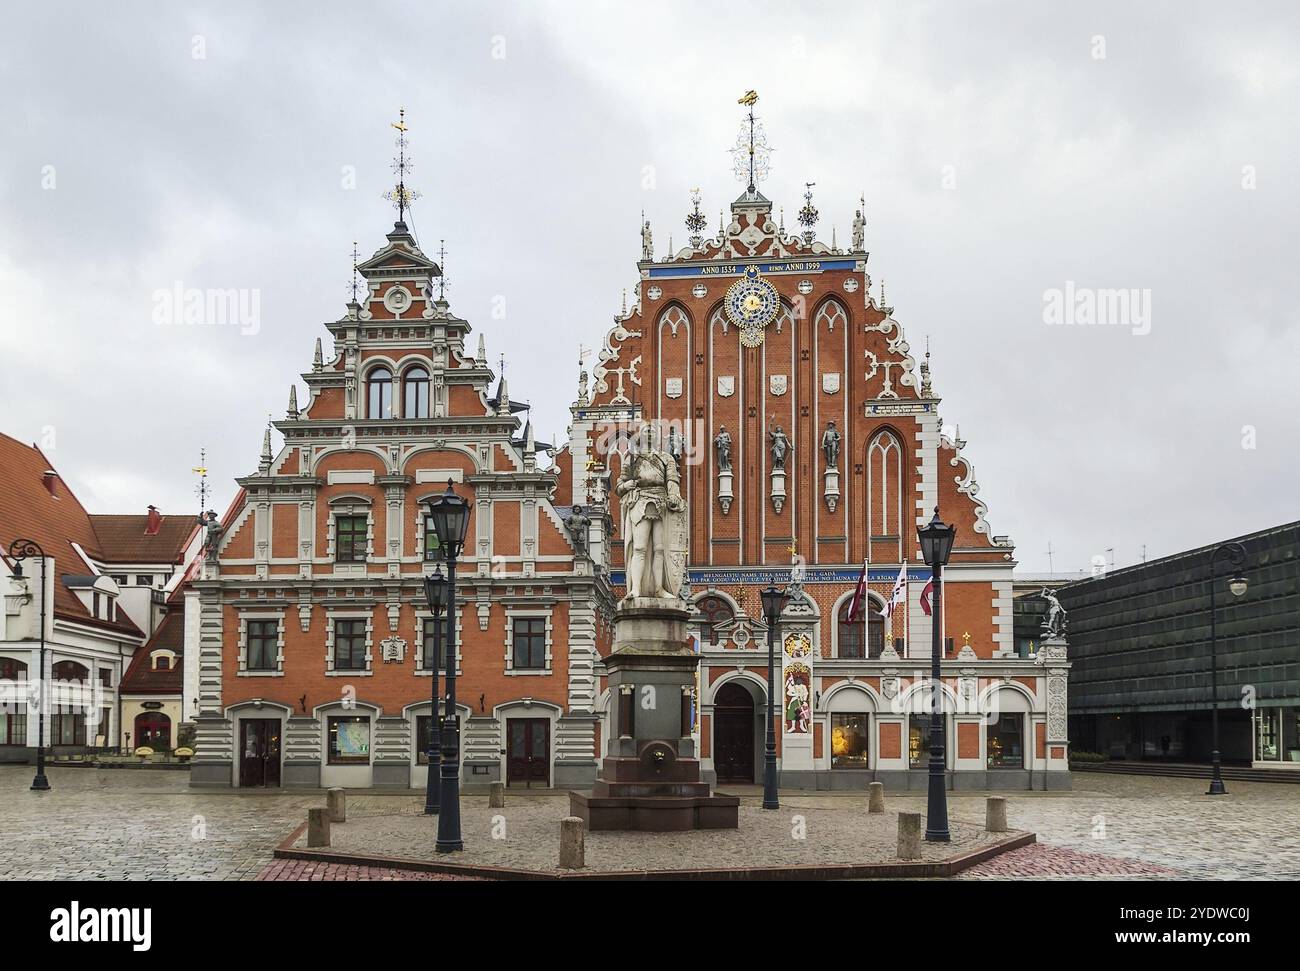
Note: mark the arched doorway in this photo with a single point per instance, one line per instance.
(154, 729)
(733, 733)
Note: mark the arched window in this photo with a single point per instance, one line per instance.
(12, 669)
(380, 387)
(849, 635)
(69, 671)
(415, 393)
(714, 611)
(885, 486)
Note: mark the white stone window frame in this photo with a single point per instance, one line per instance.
(350, 506)
(421, 615)
(244, 618)
(166, 652)
(335, 615)
(526, 613)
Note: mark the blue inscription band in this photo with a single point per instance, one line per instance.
(737, 268)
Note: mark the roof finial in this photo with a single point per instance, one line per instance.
(751, 153)
(623, 311)
(442, 269)
(695, 220)
(882, 293)
(293, 403)
(201, 490)
(264, 466)
(400, 196)
(355, 285)
(808, 215)
(482, 349)
(318, 358)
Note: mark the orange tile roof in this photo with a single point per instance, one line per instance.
(141, 678)
(55, 519)
(123, 538)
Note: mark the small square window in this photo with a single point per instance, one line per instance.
(350, 539)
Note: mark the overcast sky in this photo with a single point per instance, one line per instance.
(1004, 149)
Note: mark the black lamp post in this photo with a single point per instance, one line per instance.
(19, 550)
(774, 601)
(450, 515)
(936, 545)
(1235, 554)
(435, 592)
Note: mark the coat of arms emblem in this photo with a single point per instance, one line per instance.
(831, 382)
(673, 387)
(778, 384)
(726, 385)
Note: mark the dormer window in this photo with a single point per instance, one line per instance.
(380, 393)
(415, 393)
(162, 662)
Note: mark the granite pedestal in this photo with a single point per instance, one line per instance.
(650, 780)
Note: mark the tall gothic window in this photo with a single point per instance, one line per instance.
(849, 635)
(885, 486)
(380, 387)
(832, 315)
(415, 393)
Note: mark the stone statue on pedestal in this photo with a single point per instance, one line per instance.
(647, 242)
(831, 446)
(654, 522)
(212, 541)
(780, 448)
(579, 524)
(722, 445)
(1054, 625)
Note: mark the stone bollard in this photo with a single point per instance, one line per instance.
(336, 801)
(572, 843)
(497, 795)
(995, 814)
(876, 797)
(909, 836)
(318, 826)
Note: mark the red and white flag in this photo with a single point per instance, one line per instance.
(859, 602)
(899, 595)
(927, 595)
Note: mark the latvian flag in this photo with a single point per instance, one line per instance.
(927, 595)
(858, 605)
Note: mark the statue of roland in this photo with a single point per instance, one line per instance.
(653, 521)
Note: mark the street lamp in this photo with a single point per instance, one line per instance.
(435, 592)
(450, 516)
(774, 601)
(19, 550)
(936, 539)
(1235, 553)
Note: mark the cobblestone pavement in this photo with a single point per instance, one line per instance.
(806, 831)
(312, 870)
(142, 824)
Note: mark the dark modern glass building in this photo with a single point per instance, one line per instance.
(1140, 684)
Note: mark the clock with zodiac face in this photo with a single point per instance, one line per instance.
(752, 303)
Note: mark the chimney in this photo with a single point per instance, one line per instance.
(153, 522)
(50, 479)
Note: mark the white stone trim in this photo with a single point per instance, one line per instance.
(334, 615)
(514, 613)
(244, 618)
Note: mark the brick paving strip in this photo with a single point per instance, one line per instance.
(841, 843)
(1056, 862)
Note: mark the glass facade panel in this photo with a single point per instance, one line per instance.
(850, 740)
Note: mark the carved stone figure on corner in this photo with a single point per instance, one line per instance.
(579, 524)
(722, 445)
(654, 522)
(831, 446)
(214, 530)
(1054, 625)
(781, 446)
(647, 242)
(859, 232)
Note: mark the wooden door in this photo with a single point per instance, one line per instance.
(259, 758)
(733, 734)
(528, 756)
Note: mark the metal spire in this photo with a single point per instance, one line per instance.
(400, 196)
(201, 470)
(442, 266)
(355, 273)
